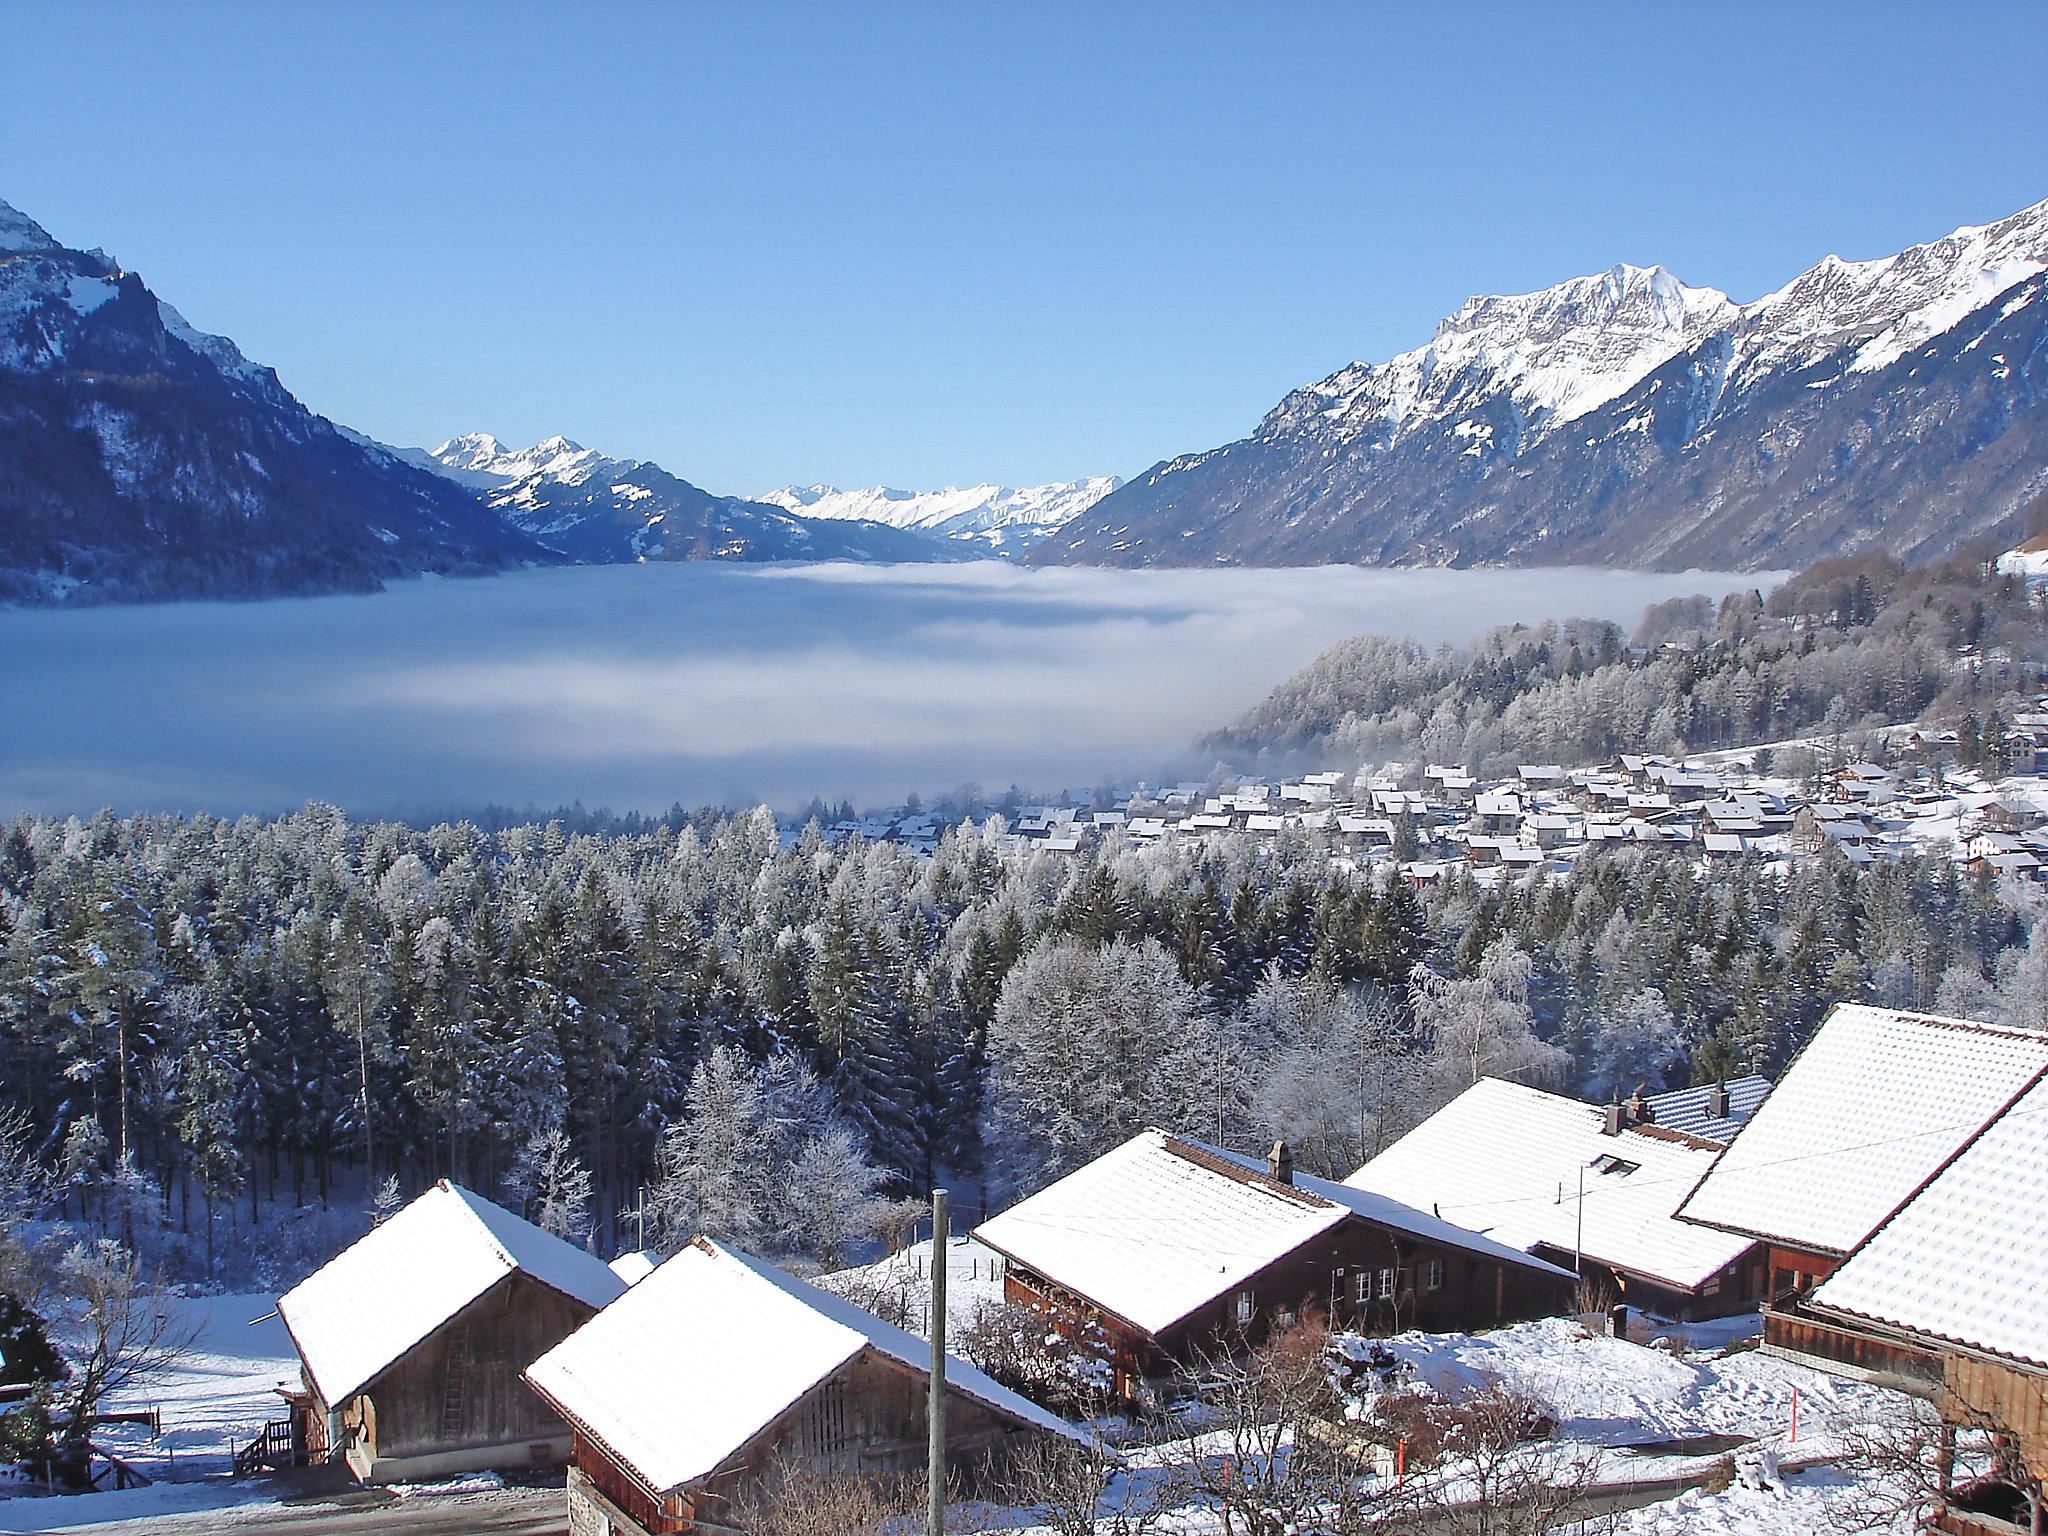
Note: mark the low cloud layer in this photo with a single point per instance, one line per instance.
(641, 686)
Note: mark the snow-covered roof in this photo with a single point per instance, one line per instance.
(366, 1308)
(1963, 1260)
(1506, 1159)
(704, 1354)
(1156, 1228)
(1687, 1109)
(1866, 1113)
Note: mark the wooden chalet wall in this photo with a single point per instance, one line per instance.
(460, 1388)
(1322, 1275)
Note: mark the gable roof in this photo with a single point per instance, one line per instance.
(692, 1363)
(1873, 1106)
(1962, 1261)
(1507, 1159)
(1686, 1109)
(1162, 1225)
(357, 1315)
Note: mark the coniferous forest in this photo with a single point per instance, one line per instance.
(224, 1039)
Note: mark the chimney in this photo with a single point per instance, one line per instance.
(1280, 1163)
(1640, 1110)
(1717, 1100)
(1616, 1118)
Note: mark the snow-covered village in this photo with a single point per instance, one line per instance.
(1023, 770)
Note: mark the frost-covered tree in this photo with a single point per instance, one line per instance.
(1481, 1025)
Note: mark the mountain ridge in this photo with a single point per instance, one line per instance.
(609, 511)
(1504, 439)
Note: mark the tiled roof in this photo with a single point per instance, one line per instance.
(1867, 1112)
(1507, 1160)
(1965, 1258)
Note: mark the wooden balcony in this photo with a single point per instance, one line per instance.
(1794, 1333)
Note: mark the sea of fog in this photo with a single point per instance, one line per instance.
(640, 686)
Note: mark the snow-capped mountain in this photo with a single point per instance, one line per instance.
(1626, 418)
(1007, 519)
(609, 511)
(141, 458)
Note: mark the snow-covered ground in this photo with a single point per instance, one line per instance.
(218, 1395)
(1606, 1391)
(974, 1278)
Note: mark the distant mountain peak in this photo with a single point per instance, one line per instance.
(1626, 417)
(1006, 519)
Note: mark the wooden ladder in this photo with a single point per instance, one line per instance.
(455, 1380)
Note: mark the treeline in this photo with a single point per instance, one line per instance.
(712, 1028)
(1851, 643)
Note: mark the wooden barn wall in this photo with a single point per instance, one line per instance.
(2016, 1398)
(868, 1418)
(508, 1328)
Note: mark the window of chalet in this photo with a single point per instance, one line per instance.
(1433, 1275)
(1245, 1306)
(1386, 1285)
(1361, 1286)
(1607, 1162)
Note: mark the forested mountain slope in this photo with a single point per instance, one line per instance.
(1896, 405)
(140, 458)
(1847, 641)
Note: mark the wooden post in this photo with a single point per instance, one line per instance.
(935, 1455)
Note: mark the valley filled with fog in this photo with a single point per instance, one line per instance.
(637, 687)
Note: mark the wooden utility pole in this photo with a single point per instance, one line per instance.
(935, 1412)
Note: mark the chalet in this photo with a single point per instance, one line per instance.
(1955, 1274)
(411, 1340)
(1866, 1113)
(694, 1390)
(1591, 1189)
(1178, 1251)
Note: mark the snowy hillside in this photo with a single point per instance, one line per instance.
(615, 511)
(1626, 418)
(1008, 519)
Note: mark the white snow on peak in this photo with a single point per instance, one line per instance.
(19, 232)
(1553, 355)
(218, 350)
(995, 514)
(1556, 353)
(479, 460)
(1887, 306)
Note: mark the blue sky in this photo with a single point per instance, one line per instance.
(931, 244)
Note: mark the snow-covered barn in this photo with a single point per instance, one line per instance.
(1175, 1249)
(1956, 1272)
(1864, 1116)
(411, 1340)
(716, 1372)
(1574, 1182)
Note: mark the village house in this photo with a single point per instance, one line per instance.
(1592, 1189)
(1177, 1251)
(1956, 1273)
(411, 1340)
(717, 1373)
(1873, 1106)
